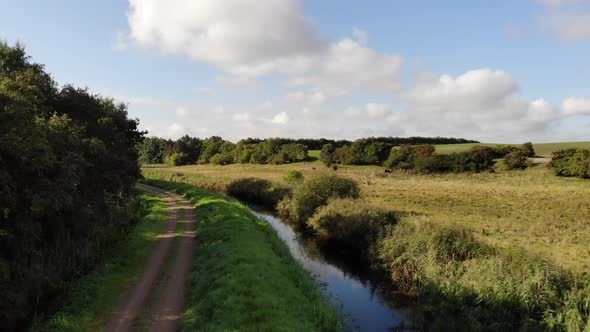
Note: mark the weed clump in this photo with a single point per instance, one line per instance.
(294, 177)
(316, 192)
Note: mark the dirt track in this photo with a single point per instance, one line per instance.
(166, 314)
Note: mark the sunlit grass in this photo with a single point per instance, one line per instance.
(244, 277)
(530, 210)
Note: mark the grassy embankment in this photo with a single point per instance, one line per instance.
(89, 304)
(243, 277)
(519, 238)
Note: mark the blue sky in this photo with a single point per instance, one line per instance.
(502, 71)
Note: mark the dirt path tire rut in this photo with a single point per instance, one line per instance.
(166, 317)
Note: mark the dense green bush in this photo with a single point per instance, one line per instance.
(350, 225)
(68, 165)
(517, 159)
(177, 159)
(530, 150)
(571, 162)
(258, 191)
(423, 159)
(290, 153)
(327, 154)
(316, 192)
(294, 177)
(222, 159)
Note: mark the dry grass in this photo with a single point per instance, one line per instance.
(530, 210)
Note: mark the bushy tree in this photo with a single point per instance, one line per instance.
(528, 147)
(327, 154)
(517, 159)
(68, 165)
(571, 162)
(152, 150)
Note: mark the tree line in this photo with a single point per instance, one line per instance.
(68, 166)
(191, 150)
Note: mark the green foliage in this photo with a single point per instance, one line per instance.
(422, 159)
(316, 192)
(68, 164)
(177, 159)
(222, 158)
(244, 277)
(530, 150)
(290, 153)
(258, 191)
(350, 225)
(571, 162)
(327, 154)
(88, 303)
(152, 150)
(294, 177)
(517, 159)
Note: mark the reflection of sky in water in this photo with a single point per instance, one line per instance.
(363, 308)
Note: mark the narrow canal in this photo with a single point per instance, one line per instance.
(365, 305)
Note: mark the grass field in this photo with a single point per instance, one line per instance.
(89, 304)
(244, 277)
(542, 149)
(533, 210)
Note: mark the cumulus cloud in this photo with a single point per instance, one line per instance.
(252, 38)
(224, 32)
(575, 106)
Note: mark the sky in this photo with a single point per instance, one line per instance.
(495, 71)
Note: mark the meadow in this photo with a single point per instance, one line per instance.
(532, 211)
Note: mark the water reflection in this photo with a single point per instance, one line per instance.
(364, 304)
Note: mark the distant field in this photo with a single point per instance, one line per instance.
(314, 153)
(542, 149)
(530, 210)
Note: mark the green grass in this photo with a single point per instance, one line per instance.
(530, 210)
(314, 153)
(542, 149)
(244, 277)
(89, 304)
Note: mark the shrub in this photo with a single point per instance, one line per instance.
(176, 159)
(258, 191)
(528, 147)
(350, 225)
(316, 192)
(222, 159)
(571, 162)
(517, 159)
(294, 177)
(502, 150)
(290, 153)
(327, 154)
(405, 156)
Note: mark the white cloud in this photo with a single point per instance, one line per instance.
(241, 117)
(306, 98)
(206, 90)
(377, 111)
(281, 118)
(575, 106)
(252, 38)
